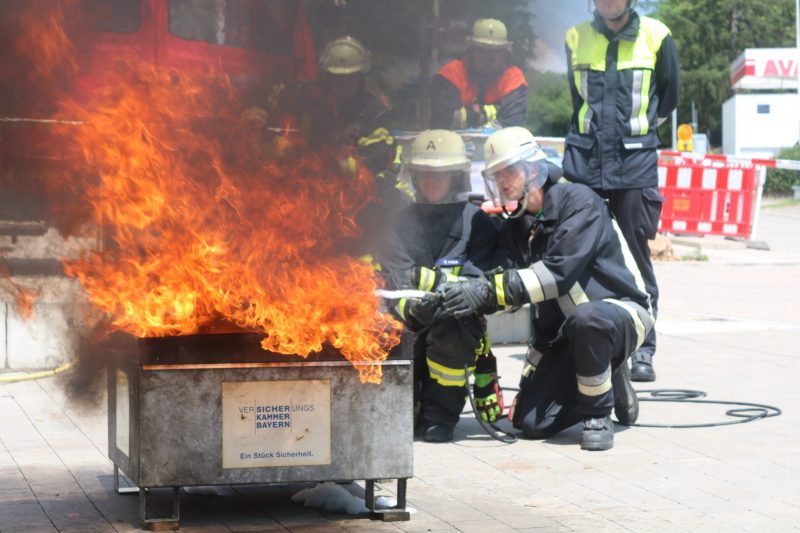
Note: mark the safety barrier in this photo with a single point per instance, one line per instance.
(712, 194)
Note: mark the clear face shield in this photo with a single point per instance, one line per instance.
(442, 179)
(508, 187)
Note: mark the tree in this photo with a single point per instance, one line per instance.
(549, 103)
(709, 35)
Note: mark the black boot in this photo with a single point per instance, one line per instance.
(598, 434)
(626, 404)
(642, 366)
(437, 433)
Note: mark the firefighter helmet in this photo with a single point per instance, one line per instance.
(345, 55)
(513, 155)
(437, 170)
(489, 33)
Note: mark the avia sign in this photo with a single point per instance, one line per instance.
(765, 68)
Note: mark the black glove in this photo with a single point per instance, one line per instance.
(469, 297)
(425, 311)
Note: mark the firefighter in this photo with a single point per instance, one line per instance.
(483, 89)
(565, 256)
(623, 76)
(442, 236)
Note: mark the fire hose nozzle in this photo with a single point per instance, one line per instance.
(398, 295)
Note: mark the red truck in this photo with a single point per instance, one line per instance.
(256, 42)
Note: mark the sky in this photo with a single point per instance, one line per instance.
(552, 19)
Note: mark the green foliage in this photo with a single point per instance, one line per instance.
(549, 103)
(779, 182)
(709, 35)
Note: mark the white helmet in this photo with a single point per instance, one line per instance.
(514, 157)
(437, 156)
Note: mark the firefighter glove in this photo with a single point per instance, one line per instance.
(489, 402)
(469, 296)
(427, 310)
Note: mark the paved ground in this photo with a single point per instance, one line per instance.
(729, 325)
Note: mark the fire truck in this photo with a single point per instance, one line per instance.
(257, 43)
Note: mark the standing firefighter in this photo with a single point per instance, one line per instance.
(483, 89)
(623, 74)
(570, 261)
(443, 236)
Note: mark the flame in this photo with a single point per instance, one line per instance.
(44, 40)
(201, 227)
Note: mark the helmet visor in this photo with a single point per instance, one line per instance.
(509, 185)
(438, 187)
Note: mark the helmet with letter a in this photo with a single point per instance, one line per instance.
(437, 168)
(515, 164)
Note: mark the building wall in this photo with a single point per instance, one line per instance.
(758, 125)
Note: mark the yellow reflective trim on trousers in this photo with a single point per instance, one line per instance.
(447, 377)
(400, 307)
(380, 135)
(595, 390)
(499, 290)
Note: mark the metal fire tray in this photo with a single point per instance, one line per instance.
(203, 410)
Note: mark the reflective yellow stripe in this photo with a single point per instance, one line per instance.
(499, 290)
(595, 390)
(644, 124)
(447, 377)
(450, 276)
(457, 270)
(380, 135)
(491, 114)
(461, 118)
(400, 307)
(368, 258)
(581, 84)
(427, 278)
(642, 329)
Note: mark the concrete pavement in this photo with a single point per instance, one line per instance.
(728, 325)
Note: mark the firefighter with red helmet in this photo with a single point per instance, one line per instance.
(442, 236)
(564, 255)
(483, 89)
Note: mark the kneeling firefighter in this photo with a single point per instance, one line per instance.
(442, 236)
(566, 256)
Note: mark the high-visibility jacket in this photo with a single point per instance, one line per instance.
(621, 85)
(503, 102)
(571, 254)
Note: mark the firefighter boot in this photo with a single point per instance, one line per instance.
(642, 366)
(437, 433)
(626, 404)
(598, 434)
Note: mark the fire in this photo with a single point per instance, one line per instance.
(44, 39)
(201, 227)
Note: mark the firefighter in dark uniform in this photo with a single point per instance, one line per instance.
(482, 90)
(442, 236)
(566, 256)
(343, 112)
(623, 76)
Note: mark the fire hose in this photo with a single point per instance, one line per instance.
(29, 376)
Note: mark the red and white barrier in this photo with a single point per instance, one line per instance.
(713, 194)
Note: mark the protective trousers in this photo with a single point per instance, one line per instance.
(570, 379)
(440, 354)
(637, 212)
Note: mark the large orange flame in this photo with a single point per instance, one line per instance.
(199, 228)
